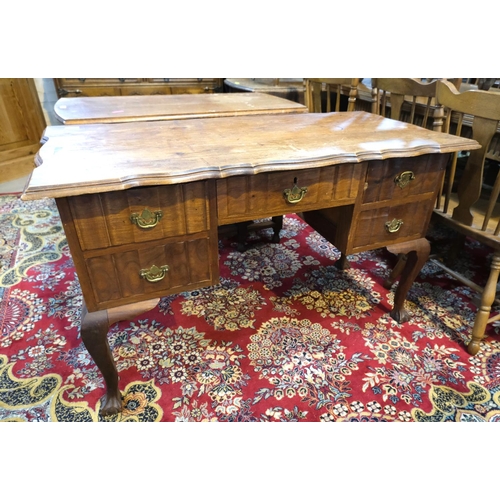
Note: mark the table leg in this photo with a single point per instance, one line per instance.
(342, 263)
(277, 227)
(94, 331)
(417, 252)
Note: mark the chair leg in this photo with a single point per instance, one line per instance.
(484, 310)
(456, 248)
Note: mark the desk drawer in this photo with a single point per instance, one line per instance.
(388, 225)
(106, 220)
(129, 274)
(242, 198)
(399, 178)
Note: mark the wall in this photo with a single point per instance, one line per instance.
(48, 97)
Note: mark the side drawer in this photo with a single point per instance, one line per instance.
(400, 178)
(388, 225)
(249, 197)
(129, 274)
(106, 220)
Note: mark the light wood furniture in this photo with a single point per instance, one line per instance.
(91, 87)
(407, 99)
(141, 202)
(333, 89)
(81, 110)
(21, 125)
(467, 205)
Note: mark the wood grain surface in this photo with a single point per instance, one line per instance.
(91, 158)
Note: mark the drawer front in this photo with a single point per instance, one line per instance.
(249, 197)
(130, 275)
(406, 222)
(141, 214)
(399, 178)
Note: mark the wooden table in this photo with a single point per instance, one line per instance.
(141, 202)
(116, 109)
(289, 88)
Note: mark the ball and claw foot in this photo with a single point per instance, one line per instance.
(401, 316)
(111, 405)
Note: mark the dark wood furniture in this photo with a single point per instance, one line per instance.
(142, 202)
(89, 87)
(288, 88)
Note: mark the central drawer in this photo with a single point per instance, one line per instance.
(243, 198)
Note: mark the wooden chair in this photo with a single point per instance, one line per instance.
(467, 204)
(408, 100)
(331, 88)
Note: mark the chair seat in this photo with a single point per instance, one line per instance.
(487, 236)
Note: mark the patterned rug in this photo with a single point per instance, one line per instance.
(285, 336)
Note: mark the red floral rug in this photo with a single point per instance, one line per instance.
(285, 336)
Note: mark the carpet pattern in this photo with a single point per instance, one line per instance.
(285, 336)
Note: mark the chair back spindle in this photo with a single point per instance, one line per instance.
(316, 88)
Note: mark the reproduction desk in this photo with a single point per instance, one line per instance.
(141, 202)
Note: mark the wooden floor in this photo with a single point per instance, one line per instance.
(13, 176)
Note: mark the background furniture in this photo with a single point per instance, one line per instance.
(88, 87)
(468, 205)
(141, 202)
(408, 100)
(118, 109)
(21, 125)
(288, 88)
(321, 92)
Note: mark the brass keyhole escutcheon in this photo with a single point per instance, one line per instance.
(393, 226)
(404, 178)
(154, 273)
(295, 194)
(146, 219)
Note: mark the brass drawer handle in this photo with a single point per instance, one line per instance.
(393, 226)
(295, 194)
(404, 178)
(146, 219)
(154, 273)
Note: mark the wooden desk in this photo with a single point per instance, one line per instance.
(141, 202)
(116, 109)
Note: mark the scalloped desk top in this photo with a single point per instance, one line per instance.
(93, 158)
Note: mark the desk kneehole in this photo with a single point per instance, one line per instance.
(247, 197)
